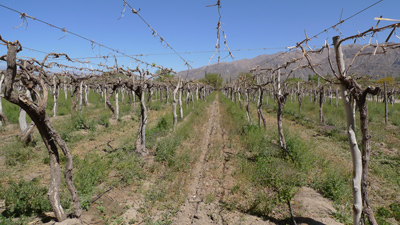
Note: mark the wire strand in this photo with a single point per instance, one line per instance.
(157, 34)
(80, 36)
(324, 31)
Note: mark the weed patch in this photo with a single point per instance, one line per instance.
(334, 186)
(17, 153)
(91, 171)
(26, 198)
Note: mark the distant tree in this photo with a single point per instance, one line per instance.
(163, 76)
(388, 80)
(247, 75)
(293, 80)
(212, 79)
(314, 78)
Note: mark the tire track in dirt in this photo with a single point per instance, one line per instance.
(212, 179)
(189, 210)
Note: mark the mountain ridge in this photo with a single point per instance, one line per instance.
(380, 65)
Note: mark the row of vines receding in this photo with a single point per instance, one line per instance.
(354, 90)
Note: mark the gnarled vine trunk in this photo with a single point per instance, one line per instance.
(281, 101)
(259, 109)
(3, 118)
(141, 138)
(248, 106)
(55, 96)
(321, 105)
(37, 112)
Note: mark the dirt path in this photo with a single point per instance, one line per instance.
(189, 211)
(211, 179)
(311, 208)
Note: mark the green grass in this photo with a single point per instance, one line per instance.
(17, 153)
(334, 185)
(390, 211)
(164, 125)
(165, 150)
(262, 163)
(129, 166)
(387, 167)
(90, 172)
(380, 165)
(10, 110)
(25, 198)
(172, 164)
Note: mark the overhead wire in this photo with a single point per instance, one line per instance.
(194, 52)
(156, 54)
(155, 33)
(24, 15)
(324, 31)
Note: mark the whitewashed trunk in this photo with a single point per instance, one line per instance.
(191, 93)
(386, 102)
(174, 103)
(116, 105)
(336, 95)
(55, 94)
(134, 99)
(105, 97)
(22, 120)
(65, 91)
(123, 95)
(87, 90)
(197, 92)
(356, 156)
(167, 95)
(240, 101)
(355, 151)
(180, 104)
(80, 95)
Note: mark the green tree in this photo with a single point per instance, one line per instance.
(388, 80)
(212, 79)
(293, 80)
(163, 76)
(314, 78)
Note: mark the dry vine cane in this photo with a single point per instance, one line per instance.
(218, 45)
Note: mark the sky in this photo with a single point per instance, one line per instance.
(252, 28)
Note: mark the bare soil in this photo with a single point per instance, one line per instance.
(212, 182)
(311, 208)
(211, 179)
